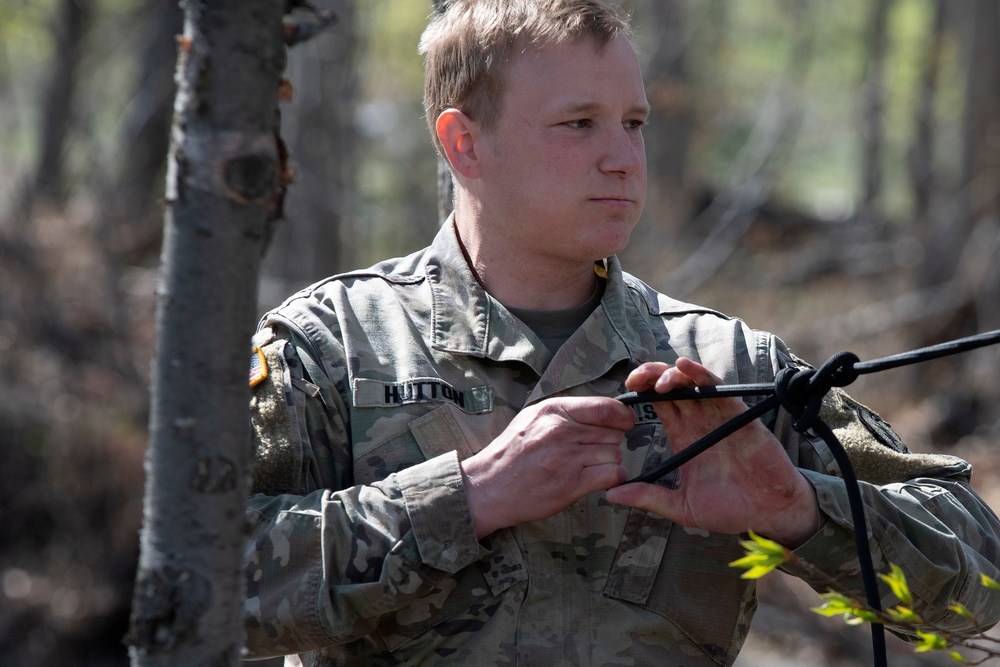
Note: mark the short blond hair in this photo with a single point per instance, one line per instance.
(468, 43)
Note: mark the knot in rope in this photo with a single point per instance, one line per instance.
(801, 390)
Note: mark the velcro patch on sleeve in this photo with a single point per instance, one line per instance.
(876, 452)
(880, 430)
(258, 367)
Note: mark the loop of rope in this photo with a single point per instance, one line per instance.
(801, 390)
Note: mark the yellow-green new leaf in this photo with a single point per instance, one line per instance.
(836, 604)
(897, 582)
(963, 611)
(902, 614)
(859, 616)
(930, 641)
(758, 571)
(852, 611)
(989, 582)
(757, 565)
(762, 556)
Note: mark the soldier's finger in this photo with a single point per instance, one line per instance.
(603, 476)
(648, 497)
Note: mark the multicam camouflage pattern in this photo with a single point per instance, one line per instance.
(363, 548)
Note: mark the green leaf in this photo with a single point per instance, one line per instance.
(930, 641)
(762, 556)
(759, 571)
(963, 611)
(836, 604)
(958, 657)
(901, 614)
(989, 582)
(897, 582)
(757, 565)
(864, 616)
(853, 612)
(828, 610)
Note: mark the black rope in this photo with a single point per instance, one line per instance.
(696, 448)
(800, 391)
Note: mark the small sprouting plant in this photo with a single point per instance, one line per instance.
(763, 555)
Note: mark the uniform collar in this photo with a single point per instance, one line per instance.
(467, 320)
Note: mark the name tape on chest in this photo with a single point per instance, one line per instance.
(370, 393)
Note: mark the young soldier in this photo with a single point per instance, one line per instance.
(434, 435)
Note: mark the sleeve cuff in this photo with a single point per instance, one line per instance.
(831, 550)
(434, 495)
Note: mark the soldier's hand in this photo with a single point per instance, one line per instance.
(745, 482)
(549, 456)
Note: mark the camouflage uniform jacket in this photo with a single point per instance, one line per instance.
(364, 553)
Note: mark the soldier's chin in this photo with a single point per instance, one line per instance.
(616, 238)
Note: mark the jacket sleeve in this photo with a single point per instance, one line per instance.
(326, 558)
(922, 515)
(935, 528)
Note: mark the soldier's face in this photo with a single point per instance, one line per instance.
(565, 167)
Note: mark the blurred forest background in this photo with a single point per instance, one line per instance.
(829, 171)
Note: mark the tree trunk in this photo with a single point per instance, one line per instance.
(976, 201)
(318, 126)
(981, 168)
(873, 93)
(223, 182)
(671, 117)
(130, 227)
(922, 152)
(981, 162)
(72, 22)
(145, 132)
(960, 271)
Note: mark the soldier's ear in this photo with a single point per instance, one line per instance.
(458, 135)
